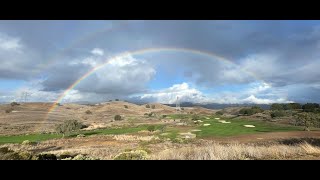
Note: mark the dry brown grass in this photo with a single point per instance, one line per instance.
(234, 151)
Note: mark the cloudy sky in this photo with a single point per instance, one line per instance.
(155, 61)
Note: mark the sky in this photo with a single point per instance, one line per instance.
(200, 61)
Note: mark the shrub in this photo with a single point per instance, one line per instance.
(278, 113)
(69, 126)
(250, 111)
(164, 116)
(146, 114)
(125, 106)
(195, 117)
(132, 155)
(151, 128)
(14, 104)
(219, 113)
(116, 99)
(147, 106)
(88, 112)
(47, 157)
(117, 117)
(9, 110)
(153, 106)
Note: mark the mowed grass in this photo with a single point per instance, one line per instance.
(43, 137)
(236, 127)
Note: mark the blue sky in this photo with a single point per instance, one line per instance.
(269, 61)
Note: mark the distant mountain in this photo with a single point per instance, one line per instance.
(218, 106)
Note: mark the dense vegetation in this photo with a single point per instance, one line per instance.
(251, 111)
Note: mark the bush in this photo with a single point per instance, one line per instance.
(146, 114)
(69, 126)
(219, 113)
(9, 110)
(14, 104)
(116, 99)
(47, 157)
(195, 117)
(147, 106)
(250, 111)
(310, 107)
(164, 116)
(153, 106)
(132, 155)
(117, 117)
(151, 128)
(278, 113)
(125, 106)
(88, 112)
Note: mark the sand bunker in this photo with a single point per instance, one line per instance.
(217, 118)
(206, 124)
(207, 118)
(196, 130)
(224, 122)
(249, 126)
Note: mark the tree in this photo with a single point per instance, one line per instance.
(306, 119)
(69, 126)
(310, 107)
(276, 106)
(151, 128)
(116, 99)
(117, 117)
(147, 106)
(125, 106)
(277, 113)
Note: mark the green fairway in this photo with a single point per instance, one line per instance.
(236, 127)
(43, 137)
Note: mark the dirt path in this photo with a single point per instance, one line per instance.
(268, 136)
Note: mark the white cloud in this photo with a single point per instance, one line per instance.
(169, 95)
(97, 52)
(255, 100)
(8, 43)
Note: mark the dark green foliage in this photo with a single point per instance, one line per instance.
(69, 126)
(116, 99)
(125, 106)
(250, 111)
(195, 117)
(147, 106)
(219, 113)
(182, 108)
(146, 114)
(47, 157)
(164, 116)
(151, 128)
(277, 113)
(117, 117)
(88, 112)
(310, 107)
(14, 104)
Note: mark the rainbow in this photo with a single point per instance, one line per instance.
(141, 52)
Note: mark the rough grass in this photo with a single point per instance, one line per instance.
(216, 151)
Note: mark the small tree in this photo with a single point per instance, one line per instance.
(117, 117)
(153, 106)
(14, 104)
(116, 99)
(151, 128)
(306, 119)
(147, 106)
(125, 106)
(219, 113)
(88, 112)
(69, 126)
